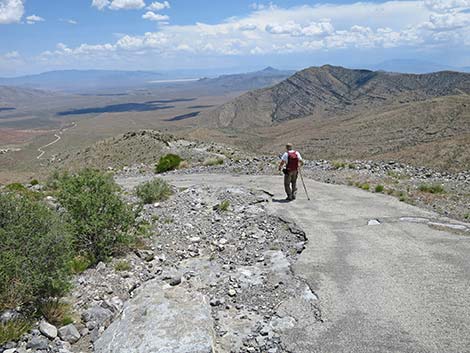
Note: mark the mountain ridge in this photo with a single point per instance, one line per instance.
(322, 92)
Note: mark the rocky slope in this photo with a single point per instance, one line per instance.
(144, 146)
(326, 91)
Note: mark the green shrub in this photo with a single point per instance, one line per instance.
(79, 263)
(338, 164)
(34, 182)
(56, 312)
(224, 205)
(34, 251)
(433, 189)
(13, 330)
(99, 219)
(153, 191)
(365, 186)
(16, 187)
(23, 190)
(379, 188)
(213, 161)
(122, 265)
(167, 163)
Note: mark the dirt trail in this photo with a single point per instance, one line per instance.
(58, 138)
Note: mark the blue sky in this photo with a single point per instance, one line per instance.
(40, 35)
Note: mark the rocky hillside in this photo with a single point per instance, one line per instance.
(136, 147)
(322, 92)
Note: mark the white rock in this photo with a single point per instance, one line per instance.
(69, 333)
(373, 222)
(48, 330)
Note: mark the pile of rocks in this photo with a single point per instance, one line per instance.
(222, 248)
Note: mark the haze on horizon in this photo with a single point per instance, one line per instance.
(37, 36)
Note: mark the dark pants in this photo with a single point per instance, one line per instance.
(290, 184)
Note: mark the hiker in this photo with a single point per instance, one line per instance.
(292, 160)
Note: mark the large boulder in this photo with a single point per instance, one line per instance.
(161, 318)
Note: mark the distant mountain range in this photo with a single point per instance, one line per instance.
(101, 80)
(247, 81)
(73, 80)
(414, 66)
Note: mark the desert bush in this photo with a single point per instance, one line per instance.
(213, 161)
(379, 188)
(338, 164)
(13, 330)
(122, 265)
(433, 189)
(79, 263)
(223, 206)
(153, 191)
(167, 163)
(34, 251)
(100, 220)
(56, 312)
(365, 186)
(34, 182)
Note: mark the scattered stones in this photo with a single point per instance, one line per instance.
(48, 330)
(373, 222)
(69, 333)
(38, 343)
(175, 281)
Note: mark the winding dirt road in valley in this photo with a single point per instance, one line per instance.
(58, 138)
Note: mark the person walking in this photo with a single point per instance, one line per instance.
(292, 160)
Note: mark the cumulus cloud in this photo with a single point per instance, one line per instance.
(447, 5)
(302, 29)
(118, 4)
(152, 16)
(100, 4)
(34, 19)
(11, 11)
(158, 6)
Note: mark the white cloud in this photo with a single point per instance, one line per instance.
(127, 4)
(100, 4)
(118, 4)
(11, 11)
(72, 22)
(447, 5)
(33, 19)
(152, 16)
(12, 55)
(303, 29)
(158, 6)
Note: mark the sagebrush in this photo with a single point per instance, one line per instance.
(153, 191)
(35, 249)
(99, 219)
(167, 163)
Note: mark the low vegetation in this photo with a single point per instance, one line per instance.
(432, 189)
(167, 163)
(35, 250)
(153, 191)
(223, 206)
(99, 219)
(122, 265)
(40, 247)
(209, 162)
(13, 330)
(56, 312)
(379, 188)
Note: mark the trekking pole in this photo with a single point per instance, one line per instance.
(303, 183)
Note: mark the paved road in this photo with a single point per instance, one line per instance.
(400, 286)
